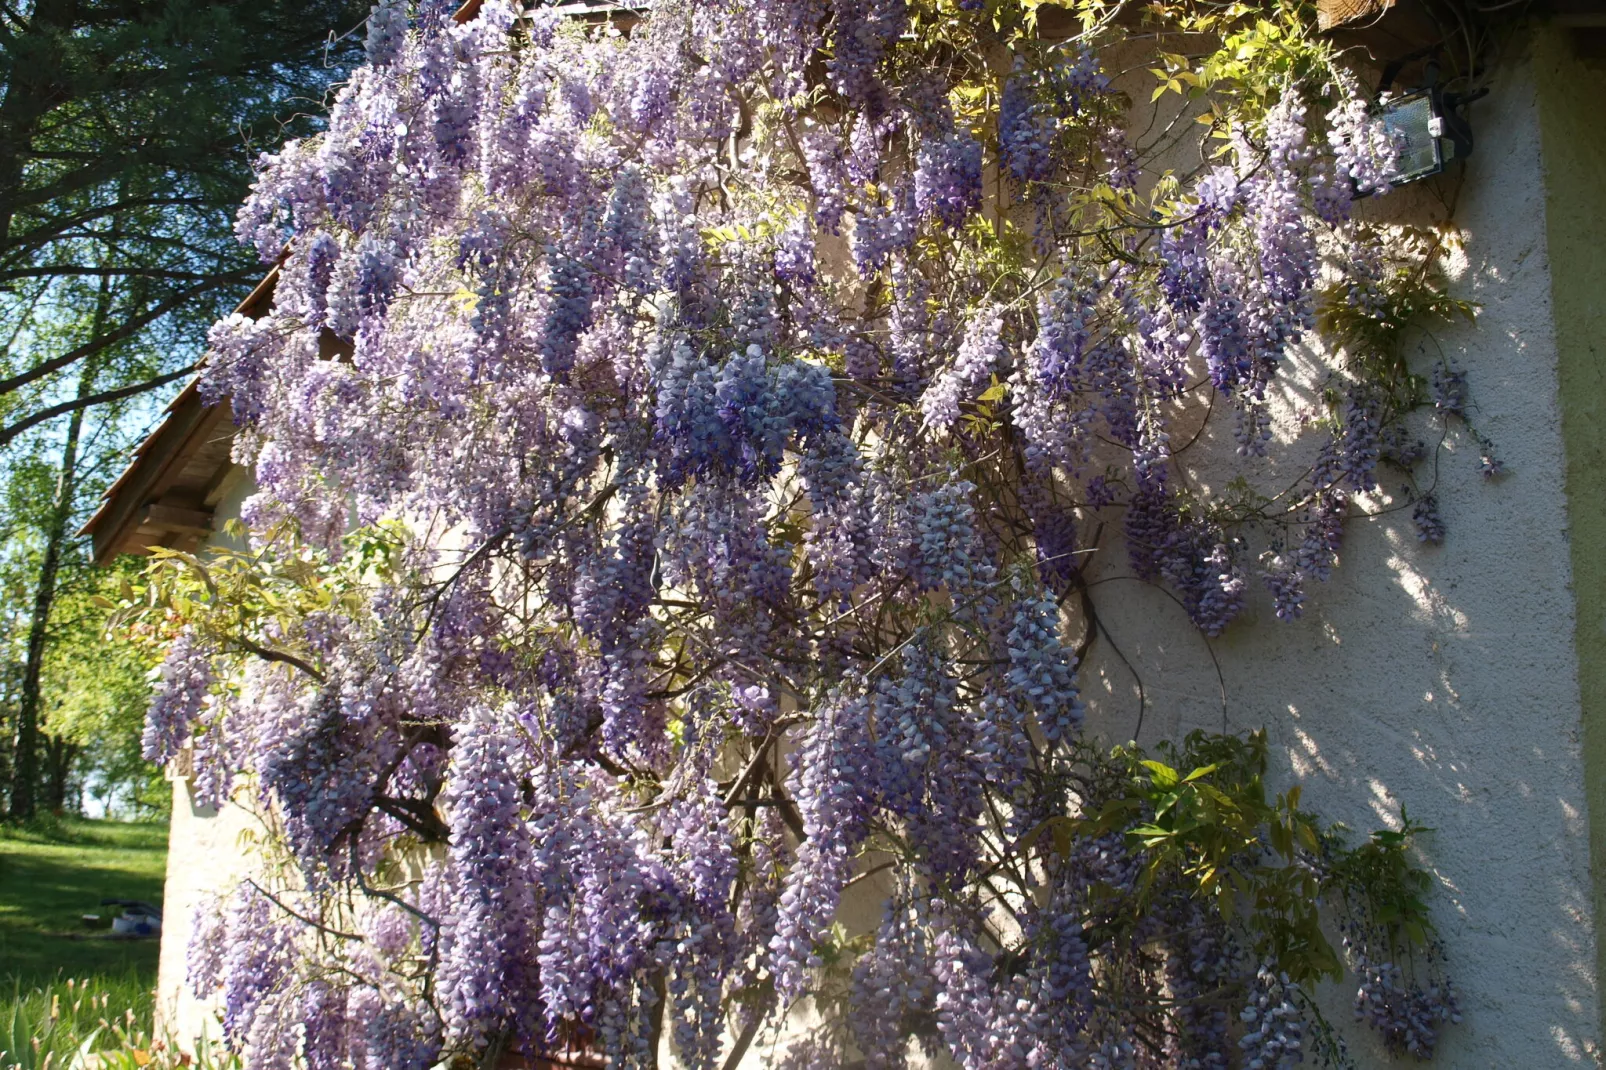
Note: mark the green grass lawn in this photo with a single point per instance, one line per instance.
(60, 984)
(51, 876)
(64, 989)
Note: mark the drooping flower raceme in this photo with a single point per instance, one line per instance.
(721, 442)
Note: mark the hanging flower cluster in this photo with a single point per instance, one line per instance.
(687, 435)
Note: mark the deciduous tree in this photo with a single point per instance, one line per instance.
(127, 131)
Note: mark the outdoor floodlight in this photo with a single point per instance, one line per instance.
(1429, 132)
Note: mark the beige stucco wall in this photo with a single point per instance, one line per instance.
(205, 858)
(1439, 679)
(1443, 680)
(1574, 139)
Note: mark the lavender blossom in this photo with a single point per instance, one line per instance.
(186, 677)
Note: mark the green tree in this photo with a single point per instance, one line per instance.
(127, 131)
(93, 707)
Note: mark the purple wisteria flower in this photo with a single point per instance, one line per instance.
(701, 519)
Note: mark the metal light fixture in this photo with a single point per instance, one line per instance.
(1429, 133)
(1426, 122)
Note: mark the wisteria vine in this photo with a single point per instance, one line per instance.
(679, 442)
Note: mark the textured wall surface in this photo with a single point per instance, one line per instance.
(205, 858)
(1575, 188)
(1441, 680)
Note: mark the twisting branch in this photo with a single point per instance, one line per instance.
(326, 930)
(280, 656)
(127, 330)
(380, 893)
(757, 1016)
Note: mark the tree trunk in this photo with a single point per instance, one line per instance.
(9, 675)
(25, 767)
(25, 777)
(59, 756)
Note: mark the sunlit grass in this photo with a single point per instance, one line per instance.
(93, 1023)
(72, 999)
(54, 872)
(52, 1026)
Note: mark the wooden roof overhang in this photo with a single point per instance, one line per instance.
(168, 494)
(1392, 30)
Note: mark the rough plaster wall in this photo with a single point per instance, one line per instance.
(1438, 679)
(204, 859)
(1575, 187)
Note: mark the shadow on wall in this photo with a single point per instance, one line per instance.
(1437, 680)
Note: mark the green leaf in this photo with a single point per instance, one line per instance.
(997, 392)
(1163, 775)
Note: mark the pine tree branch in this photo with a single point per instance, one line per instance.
(104, 397)
(61, 270)
(43, 233)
